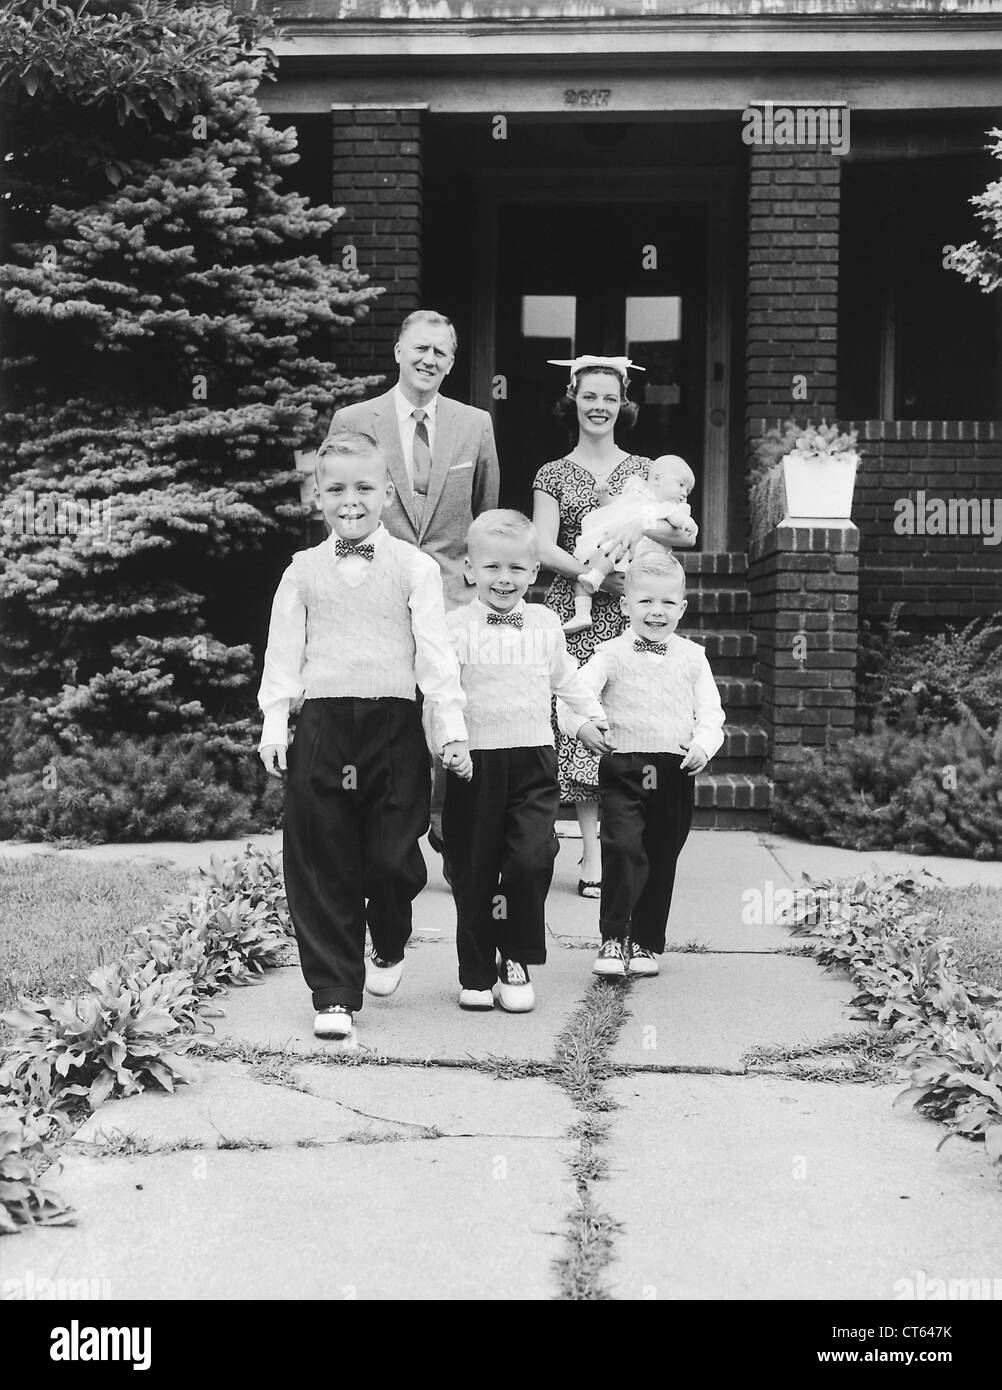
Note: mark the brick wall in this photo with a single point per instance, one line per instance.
(793, 208)
(803, 583)
(377, 179)
(938, 578)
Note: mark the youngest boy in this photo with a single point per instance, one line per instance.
(665, 724)
(358, 624)
(498, 828)
(641, 504)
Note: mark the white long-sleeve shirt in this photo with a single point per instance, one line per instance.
(654, 703)
(369, 629)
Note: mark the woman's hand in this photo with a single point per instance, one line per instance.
(614, 584)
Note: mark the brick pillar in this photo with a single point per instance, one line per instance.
(804, 587)
(377, 180)
(791, 328)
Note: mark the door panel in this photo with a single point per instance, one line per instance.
(602, 278)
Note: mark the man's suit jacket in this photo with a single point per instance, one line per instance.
(464, 480)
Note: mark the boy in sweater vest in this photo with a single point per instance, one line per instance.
(498, 828)
(358, 623)
(665, 724)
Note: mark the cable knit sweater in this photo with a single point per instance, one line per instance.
(509, 674)
(654, 703)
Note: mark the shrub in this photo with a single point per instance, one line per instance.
(23, 1200)
(178, 788)
(926, 682)
(937, 792)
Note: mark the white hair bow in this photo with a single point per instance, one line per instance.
(620, 365)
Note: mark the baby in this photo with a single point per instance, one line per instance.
(662, 497)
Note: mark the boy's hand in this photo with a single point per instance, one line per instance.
(695, 760)
(273, 755)
(456, 757)
(595, 737)
(614, 584)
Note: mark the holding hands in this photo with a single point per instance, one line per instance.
(456, 757)
(594, 734)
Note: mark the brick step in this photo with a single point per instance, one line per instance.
(708, 604)
(729, 652)
(739, 692)
(733, 791)
(728, 567)
(745, 749)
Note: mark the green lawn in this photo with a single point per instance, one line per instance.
(973, 916)
(59, 918)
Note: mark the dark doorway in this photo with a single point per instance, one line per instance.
(605, 278)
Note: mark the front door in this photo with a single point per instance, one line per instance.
(604, 278)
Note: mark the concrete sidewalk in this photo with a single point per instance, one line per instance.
(439, 1167)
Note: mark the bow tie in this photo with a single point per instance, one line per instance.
(365, 548)
(642, 644)
(512, 619)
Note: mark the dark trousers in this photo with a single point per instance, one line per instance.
(501, 843)
(356, 805)
(646, 814)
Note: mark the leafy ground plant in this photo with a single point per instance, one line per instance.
(24, 1201)
(123, 1035)
(912, 981)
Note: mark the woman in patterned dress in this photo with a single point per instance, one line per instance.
(563, 491)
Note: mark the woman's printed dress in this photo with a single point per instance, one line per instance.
(573, 488)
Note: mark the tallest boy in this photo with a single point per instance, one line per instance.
(442, 461)
(440, 454)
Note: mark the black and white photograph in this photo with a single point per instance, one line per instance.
(501, 671)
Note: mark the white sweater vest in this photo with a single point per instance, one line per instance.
(359, 641)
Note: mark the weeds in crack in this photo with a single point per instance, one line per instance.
(867, 1055)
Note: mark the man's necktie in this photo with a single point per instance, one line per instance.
(641, 644)
(512, 619)
(365, 549)
(422, 460)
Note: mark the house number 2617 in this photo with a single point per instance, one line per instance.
(587, 96)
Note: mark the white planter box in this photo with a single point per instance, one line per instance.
(819, 485)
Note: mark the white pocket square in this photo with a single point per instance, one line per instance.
(457, 466)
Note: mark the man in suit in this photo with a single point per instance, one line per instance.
(441, 454)
(442, 461)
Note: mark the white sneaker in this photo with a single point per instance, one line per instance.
(480, 999)
(610, 959)
(382, 976)
(640, 961)
(515, 993)
(333, 1022)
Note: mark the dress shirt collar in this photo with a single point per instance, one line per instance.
(481, 609)
(405, 409)
(373, 538)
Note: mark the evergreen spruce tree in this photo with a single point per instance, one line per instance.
(169, 328)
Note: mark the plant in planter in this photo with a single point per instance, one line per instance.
(818, 465)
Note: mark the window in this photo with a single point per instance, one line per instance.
(915, 341)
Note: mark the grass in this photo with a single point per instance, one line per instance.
(973, 916)
(582, 1053)
(59, 918)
